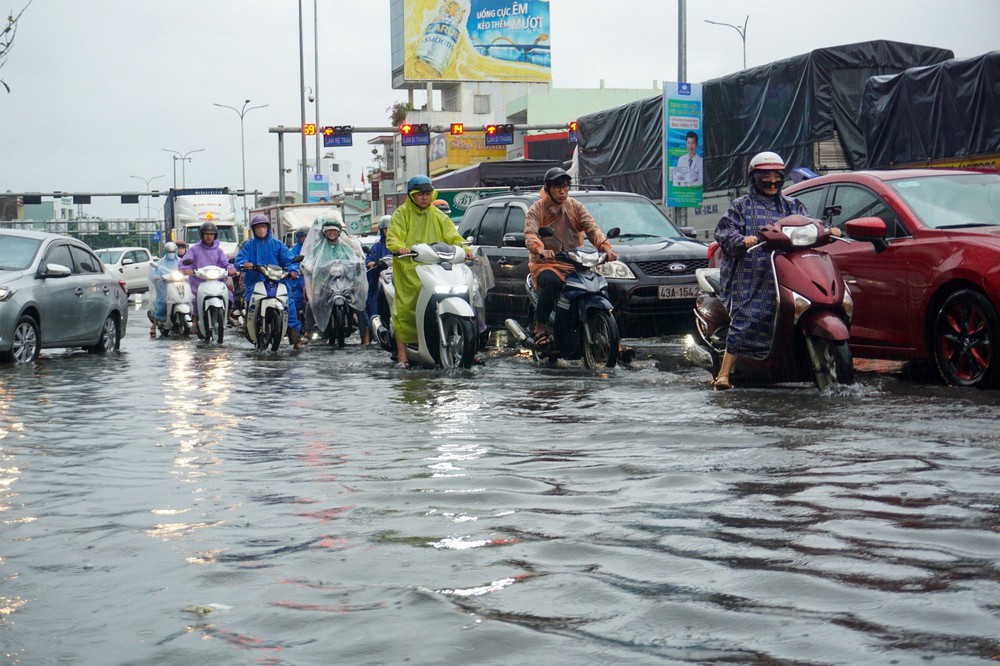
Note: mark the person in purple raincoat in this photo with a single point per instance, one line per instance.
(206, 253)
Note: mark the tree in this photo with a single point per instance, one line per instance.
(398, 111)
(7, 38)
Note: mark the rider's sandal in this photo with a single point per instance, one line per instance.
(539, 343)
(403, 365)
(721, 383)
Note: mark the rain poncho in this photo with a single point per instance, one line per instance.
(411, 225)
(746, 277)
(375, 253)
(263, 252)
(571, 222)
(332, 268)
(201, 255)
(169, 263)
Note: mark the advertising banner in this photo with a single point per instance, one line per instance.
(477, 40)
(449, 153)
(319, 189)
(684, 174)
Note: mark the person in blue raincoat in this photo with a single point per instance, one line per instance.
(263, 249)
(377, 251)
(297, 292)
(748, 287)
(169, 263)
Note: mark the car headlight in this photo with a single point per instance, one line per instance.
(6, 293)
(615, 269)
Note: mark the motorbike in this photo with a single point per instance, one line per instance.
(213, 302)
(812, 327)
(582, 323)
(267, 312)
(446, 329)
(178, 297)
(341, 300)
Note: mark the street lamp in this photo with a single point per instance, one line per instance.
(184, 158)
(743, 34)
(243, 151)
(147, 181)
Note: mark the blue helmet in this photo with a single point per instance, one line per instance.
(420, 183)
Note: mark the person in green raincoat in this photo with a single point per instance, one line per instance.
(416, 221)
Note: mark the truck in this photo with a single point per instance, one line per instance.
(186, 209)
(286, 219)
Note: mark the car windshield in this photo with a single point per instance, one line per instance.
(952, 201)
(17, 253)
(108, 257)
(636, 217)
(227, 234)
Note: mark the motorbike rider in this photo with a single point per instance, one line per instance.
(416, 221)
(571, 222)
(168, 263)
(207, 252)
(263, 249)
(329, 244)
(182, 248)
(377, 251)
(442, 206)
(297, 293)
(748, 288)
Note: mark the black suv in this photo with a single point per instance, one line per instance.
(652, 285)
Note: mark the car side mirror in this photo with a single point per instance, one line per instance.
(690, 232)
(126, 262)
(55, 271)
(871, 229)
(515, 239)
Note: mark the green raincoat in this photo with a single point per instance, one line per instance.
(409, 226)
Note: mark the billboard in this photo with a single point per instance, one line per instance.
(682, 141)
(476, 40)
(449, 152)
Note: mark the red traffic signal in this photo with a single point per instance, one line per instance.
(327, 131)
(458, 128)
(406, 129)
(572, 126)
(490, 129)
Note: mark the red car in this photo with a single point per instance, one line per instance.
(924, 267)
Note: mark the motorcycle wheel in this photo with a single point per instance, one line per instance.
(832, 362)
(219, 323)
(263, 332)
(599, 339)
(274, 328)
(180, 324)
(338, 326)
(461, 338)
(964, 330)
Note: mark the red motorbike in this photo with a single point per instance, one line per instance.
(812, 324)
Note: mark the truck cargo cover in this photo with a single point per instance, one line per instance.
(497, 174)
(784, 106)
(929, 114)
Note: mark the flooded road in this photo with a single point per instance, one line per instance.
(181, 504)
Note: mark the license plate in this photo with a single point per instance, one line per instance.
(668, 292)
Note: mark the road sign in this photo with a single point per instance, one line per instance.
(499, 135)
(338, 135)
(415, 135)
(155, 236)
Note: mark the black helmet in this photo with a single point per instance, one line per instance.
(208, 228)
(556, 174)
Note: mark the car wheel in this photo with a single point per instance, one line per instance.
(109, 340)
(25, 341)
(965, 330)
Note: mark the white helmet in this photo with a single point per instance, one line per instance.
(170, 247)
(766, 161)
(383, 222)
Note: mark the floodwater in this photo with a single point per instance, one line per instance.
(190, 504)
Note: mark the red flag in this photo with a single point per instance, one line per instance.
(362, 178)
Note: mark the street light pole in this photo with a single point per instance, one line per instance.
(243, 150)
(147, 181)
(302, 104)
(184, 158)
(316, 68)
(743, 34)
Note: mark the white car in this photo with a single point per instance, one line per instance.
(129, 264)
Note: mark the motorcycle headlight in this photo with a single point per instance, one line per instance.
(176, 276)
(801, 236)
(6, 293)
(615, 269)
(848, 304)
(454, 289)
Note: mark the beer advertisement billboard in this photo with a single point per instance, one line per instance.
(477, 40)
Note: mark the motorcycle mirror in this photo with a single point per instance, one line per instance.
(188, 262)
(546, 232)
(297, 258)
(614, 232)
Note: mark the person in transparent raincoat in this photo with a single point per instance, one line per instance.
(333, 263)
(167, 264)
(480, 267)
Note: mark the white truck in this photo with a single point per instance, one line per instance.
(289, 218)
(187, 209)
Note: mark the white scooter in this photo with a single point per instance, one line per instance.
(267, 311)
(178, 297)
(213, 302)
(446, 330)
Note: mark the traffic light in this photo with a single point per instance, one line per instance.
(415, 134)
(572, 131)
(499, 135)
(309, 129)
(458, 128)
(338, 135)
(490, 130)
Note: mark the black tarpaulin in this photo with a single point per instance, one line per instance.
(929, 114)
(507, 173)
(785, 106)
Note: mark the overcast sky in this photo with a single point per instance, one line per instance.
(100, 87)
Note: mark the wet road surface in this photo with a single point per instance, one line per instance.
(181, 503)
